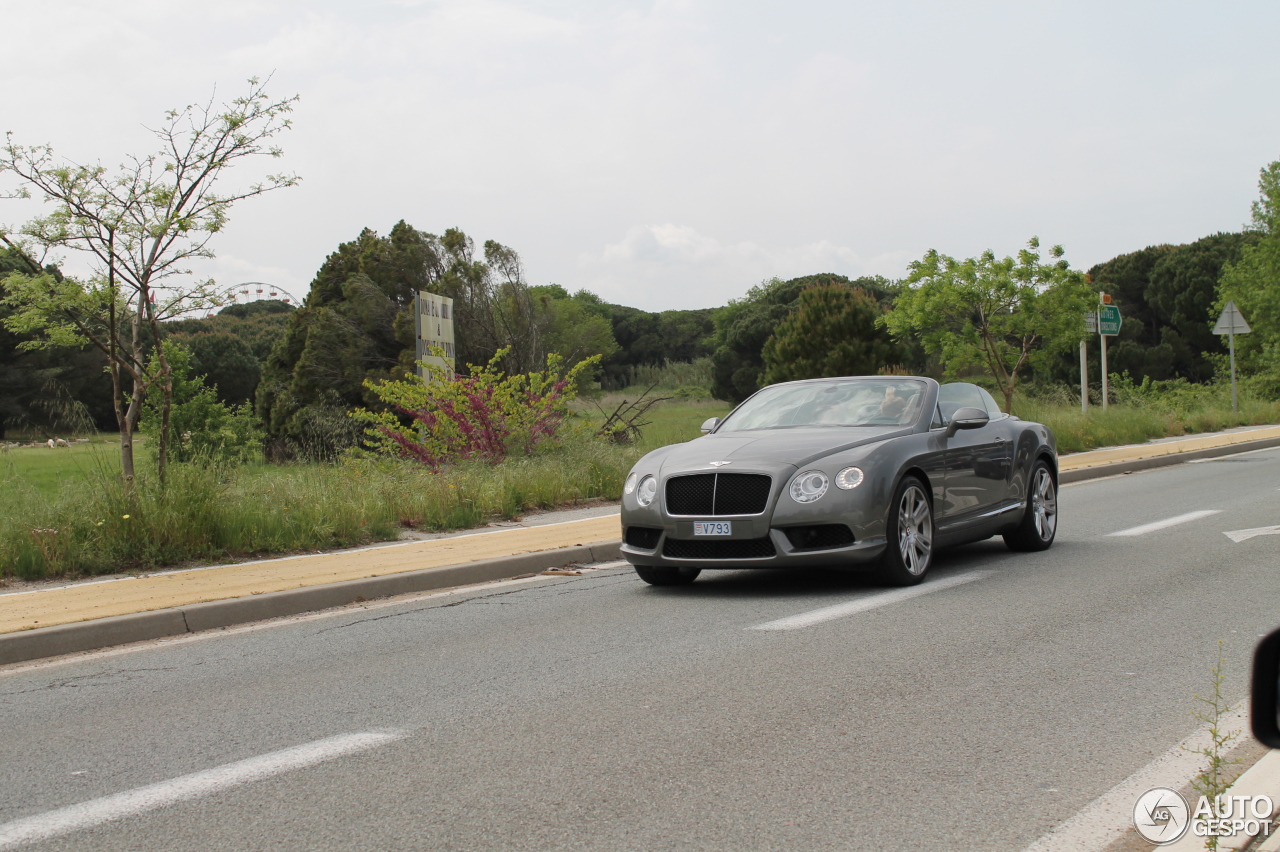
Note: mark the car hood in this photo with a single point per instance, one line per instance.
(772, 449)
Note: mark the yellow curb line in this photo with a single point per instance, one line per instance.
(1093, 458)
(69, 604)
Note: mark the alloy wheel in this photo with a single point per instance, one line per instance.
(1044, 504)
(915, 530)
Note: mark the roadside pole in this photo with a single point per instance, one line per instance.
(1235, 404)
(1108, 326)
(1090, 327)
(1084, 377)
(1231, 323)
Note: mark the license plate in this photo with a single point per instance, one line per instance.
(713, 528)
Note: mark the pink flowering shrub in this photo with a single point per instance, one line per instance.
(486, 415)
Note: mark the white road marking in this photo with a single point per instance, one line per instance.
(1244, 535)
(828, 613)
(110, 808)
(1167, 522)
(1110, 816)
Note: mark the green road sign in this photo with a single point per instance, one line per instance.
(1108, 320)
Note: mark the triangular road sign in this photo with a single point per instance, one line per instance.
(1231, 321)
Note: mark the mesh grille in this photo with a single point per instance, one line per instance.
(712, 494)
(645, 538)
(741, 548)
(691, 495)
(820, 537)
(741, 494)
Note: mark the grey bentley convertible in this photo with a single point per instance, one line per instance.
(879, 470)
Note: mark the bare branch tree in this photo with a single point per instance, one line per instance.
(140, 226)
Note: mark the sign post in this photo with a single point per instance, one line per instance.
(1232, 323)
(1090, 327)
(1108, 326)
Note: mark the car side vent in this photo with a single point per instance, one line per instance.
(819, 537)
(643, 538)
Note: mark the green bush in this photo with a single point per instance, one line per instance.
(200, 426)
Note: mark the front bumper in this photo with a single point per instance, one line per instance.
(785, 554)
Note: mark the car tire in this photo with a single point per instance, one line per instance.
(909, 530)
(1039, 524)
(656, 575)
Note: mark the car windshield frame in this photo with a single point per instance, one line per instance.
(846, 403)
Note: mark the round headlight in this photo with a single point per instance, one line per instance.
(647, 491)
(630, 486)
(850, 477)
(809, 486)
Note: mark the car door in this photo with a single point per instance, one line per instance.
(978, 461)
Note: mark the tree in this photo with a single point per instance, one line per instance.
(358, 324)
(52, 391)
(204, 429)
(1167, 295)
(569, 328)
(744, 325)
(997, 315)
(226, 362)
(139, 226)
(832, 332)
(1253, 282)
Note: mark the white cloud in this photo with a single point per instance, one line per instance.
(678, 267)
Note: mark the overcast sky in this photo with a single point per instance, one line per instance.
(673, 154)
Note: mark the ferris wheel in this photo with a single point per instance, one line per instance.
(257, 291)
(254, 291)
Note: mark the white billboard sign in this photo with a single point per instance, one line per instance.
(433, 318)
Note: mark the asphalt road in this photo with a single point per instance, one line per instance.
(596, 712)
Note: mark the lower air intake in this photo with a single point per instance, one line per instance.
(741, 548)
(643, 538)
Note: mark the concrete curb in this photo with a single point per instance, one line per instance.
(157, 624)
(1113, 468)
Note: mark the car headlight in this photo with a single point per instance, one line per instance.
(850, 477)
(630, 486)
(647, 491)
(809, 486)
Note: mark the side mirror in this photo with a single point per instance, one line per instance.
(967, 418)
(1264, 711)
(709, 424)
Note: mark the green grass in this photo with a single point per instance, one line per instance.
(48, 470)
(1168, 409)
(65, 513)
(92, 526)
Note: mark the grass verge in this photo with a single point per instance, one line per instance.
(91, 526)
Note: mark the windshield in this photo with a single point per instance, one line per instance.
(834, 403)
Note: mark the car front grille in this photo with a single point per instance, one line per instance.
(643, 538)
(712, 494)
(739, 548)
(819, 536)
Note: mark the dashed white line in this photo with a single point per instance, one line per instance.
(110, 808)
(828, 613)
(1167, 522)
